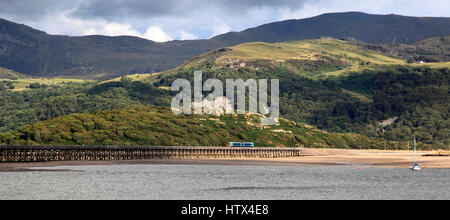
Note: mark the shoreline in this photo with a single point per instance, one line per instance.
(312, 157)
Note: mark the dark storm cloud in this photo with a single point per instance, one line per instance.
(116, 9)
(189, 19)
(246, 4)
(119, 9)
(33, 9)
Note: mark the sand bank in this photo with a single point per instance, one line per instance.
(313, 157)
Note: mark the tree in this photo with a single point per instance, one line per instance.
(410, 60)
(35, 86)
(125, 79)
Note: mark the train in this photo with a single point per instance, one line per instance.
(241, 144)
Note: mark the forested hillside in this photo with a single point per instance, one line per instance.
(43, 102)
(160, 127)
(339, 87)
(331, 84)
(435, 49)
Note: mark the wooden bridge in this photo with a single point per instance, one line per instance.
(94, 153)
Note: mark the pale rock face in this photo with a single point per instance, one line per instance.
(270, 121)
(281, 131)
(221, 105)
(388, 122)
(217, 107)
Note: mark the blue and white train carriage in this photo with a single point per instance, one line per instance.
(241, 144)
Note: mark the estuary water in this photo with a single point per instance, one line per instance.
(210, 182)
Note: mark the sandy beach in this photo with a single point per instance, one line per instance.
(376, 158)
(312, 157)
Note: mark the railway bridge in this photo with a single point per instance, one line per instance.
(10, 154)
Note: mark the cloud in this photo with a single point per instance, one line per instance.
(61, 22)
(118, 9)
(183, 35)
(203, 19)
(111, 29)
(26, 10)
(189, 19)
(156, 34)
(431, 8)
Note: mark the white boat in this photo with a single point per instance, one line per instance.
(416, 166)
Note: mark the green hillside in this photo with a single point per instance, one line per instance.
(160, 127)
(310, 58)
(435, 49)
(337, 86)
(46, 101)
(9, 74)
(334, 85)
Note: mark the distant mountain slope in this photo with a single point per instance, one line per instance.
(435, 49)
(36, 53)
(376, 29)
(9, 74)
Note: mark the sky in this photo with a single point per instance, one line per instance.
(165, 20)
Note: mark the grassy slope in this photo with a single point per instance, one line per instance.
(339, 58)
(9, 74)
(434, 65)
(310, 58)
(160, 127)
(23, 84)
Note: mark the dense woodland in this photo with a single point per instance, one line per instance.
(46, 102)
(160, 127)
(418, 96)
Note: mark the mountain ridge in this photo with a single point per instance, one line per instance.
(36, 53)
(318, 22)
